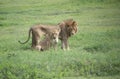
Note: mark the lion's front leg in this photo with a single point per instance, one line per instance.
(65, 45)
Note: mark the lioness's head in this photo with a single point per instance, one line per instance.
(55, 35)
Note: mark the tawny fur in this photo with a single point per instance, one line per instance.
(38, 31)
(49, 41)
(68, 28)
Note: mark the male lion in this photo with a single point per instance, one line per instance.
(50, 40)
(68, 28)
(38, 31)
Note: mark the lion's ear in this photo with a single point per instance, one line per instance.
(74, 23)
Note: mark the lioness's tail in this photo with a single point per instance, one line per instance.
(28, 37)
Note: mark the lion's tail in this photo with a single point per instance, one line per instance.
(28, 37)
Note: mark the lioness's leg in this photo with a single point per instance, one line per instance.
(36, 38)
(38, 47)
(33, 40)
(54, 45)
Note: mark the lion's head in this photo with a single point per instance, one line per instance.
(71, 26)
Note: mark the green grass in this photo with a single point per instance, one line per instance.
(94, 50)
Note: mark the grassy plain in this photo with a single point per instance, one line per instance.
(94, 50)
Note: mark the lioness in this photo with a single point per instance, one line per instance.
(49, 41)
(38, 31)
(68, 28)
